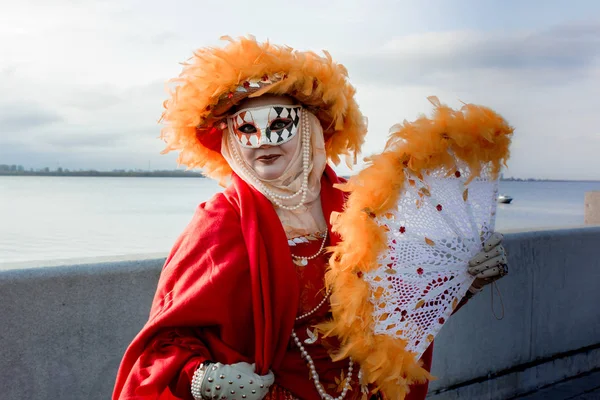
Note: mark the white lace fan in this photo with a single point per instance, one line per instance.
(437, 227)
(414, 218)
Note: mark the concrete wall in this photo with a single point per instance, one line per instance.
(64, 328)
(551, 307)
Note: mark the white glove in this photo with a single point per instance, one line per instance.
(230, 382)
(490, 264)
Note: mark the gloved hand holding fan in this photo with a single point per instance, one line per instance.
(413, 237)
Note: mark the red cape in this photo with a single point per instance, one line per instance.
(225, 294)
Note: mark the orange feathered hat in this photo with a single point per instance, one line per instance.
(216, 79)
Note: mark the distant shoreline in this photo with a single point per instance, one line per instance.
(110, 174)
(548, 180)
(193, 174)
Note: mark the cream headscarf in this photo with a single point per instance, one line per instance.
(308, 218)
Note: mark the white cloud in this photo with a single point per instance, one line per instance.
(561, 52)
(544, 83)
(82, 84)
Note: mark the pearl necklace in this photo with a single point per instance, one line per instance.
(311, 365)
(327, 294)
(303, 261)
(275, 197)
(314, 310)
(313, 371)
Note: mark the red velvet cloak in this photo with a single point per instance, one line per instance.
(234, 249)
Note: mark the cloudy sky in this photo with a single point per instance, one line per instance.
(82, 82)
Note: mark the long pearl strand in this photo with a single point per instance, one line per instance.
(275, 197)
(314, 310)
(327, 293)
(313, 371)
(317, 254)
(311, 365)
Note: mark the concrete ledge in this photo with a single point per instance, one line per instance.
(549, 300)
(581, 387)
(64, 329)
(525, 379)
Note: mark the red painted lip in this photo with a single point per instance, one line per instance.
(270, 157)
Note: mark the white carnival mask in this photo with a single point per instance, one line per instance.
(269, 125)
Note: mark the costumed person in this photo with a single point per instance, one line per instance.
(240, 293)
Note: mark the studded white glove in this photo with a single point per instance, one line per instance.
(230, 382)
(489, 264)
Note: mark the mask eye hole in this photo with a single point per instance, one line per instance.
(280, 123)
(247, 129)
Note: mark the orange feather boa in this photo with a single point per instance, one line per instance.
(476, 135)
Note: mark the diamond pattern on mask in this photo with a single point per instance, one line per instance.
(292, 113)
